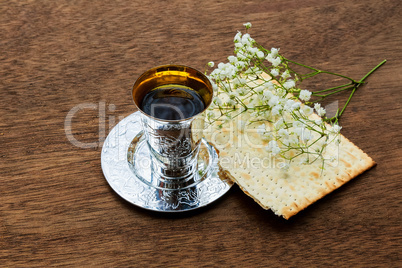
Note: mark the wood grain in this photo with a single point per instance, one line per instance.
(56, 208)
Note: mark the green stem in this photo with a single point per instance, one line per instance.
(329, 94)
(347, 102)
(339, 75)
(332, 88)
(315, 141)
(305, 76)
(354, 85)
(317, 71)
(372, 71)
(357, 86)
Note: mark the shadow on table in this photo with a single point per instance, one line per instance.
(253, 211)
(170, 215)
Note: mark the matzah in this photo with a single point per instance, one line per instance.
(285, 191)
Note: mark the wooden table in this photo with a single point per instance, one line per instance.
(56, 208)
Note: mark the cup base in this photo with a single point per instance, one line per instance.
(127, 167)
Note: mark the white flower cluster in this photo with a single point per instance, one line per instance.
(268, 92)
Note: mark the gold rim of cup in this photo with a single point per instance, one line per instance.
(172, 74)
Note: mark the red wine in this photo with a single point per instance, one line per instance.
(172, 102)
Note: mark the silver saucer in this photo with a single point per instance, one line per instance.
(127, 167)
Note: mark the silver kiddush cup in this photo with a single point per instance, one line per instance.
(173, 143)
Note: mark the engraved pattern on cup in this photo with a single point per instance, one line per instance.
(174, 144)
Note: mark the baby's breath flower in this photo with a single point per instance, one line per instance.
(274, 52)
(275, 72)
(307, 110)
(297, 124)
(273, 101)
(267, 136)
(214, 86)
(276, 110)
(276, 62)
(247, 25)
(318, 121)
(267, 94)
(242, 91)
(289, 105)
(320, 111)
(305, 95)
(217, 101)
(251, 105)
(253, 50)
(289, 84)
(237, 37)
(281, 93)
(285, 74)
(273, 147)
(260, 54)
(336, 128)
(296, 105)
(240, 65)
(246, 40)
(232, 95)
(239, 45)
(283, 133)
(231, 102)
(292, 140)
(232, 59)
(299, 131)
(259, 89)
(269, 85)
(279, 124)
(211, 64)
